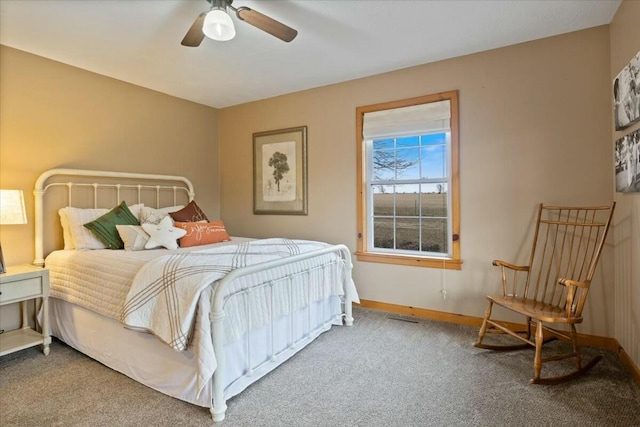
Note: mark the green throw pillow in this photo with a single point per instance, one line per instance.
(105, 229)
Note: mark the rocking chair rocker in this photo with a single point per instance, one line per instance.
(552, 289)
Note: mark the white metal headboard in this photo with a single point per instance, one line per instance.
(142, 182)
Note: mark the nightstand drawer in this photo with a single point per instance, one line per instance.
(20, 290)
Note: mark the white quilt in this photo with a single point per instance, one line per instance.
(100, 279)
(134, 287)
(165, 292)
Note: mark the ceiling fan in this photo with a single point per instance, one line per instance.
(217, 24)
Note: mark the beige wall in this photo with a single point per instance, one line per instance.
(535, 125)
(625, 43)
(54, 115)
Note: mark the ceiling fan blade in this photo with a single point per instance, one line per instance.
(194, 36)
(269, 25)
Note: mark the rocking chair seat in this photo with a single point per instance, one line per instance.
(535, 309)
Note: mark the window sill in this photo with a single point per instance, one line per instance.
(442, 263)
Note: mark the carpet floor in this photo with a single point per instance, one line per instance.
(386, 370)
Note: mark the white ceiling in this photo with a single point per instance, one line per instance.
(138, 41)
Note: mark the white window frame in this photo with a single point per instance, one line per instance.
(371, 184)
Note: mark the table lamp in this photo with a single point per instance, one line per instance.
(12, 211)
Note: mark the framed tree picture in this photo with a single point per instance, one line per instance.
(280, 172)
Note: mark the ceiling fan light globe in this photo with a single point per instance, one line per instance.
(218, 26)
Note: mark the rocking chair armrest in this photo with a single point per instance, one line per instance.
(572, 286)
(510, 286)
(569, 282)
(499, 263)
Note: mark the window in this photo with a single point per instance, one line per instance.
(408, 205)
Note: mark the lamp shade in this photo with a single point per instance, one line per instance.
(218, 25)
(12, 209)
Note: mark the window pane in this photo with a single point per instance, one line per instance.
(409, 141)
(383, 233)
(434, 200)
(434, 139)
(382, 143)
(408, 234)
(433, 161)
(434, 235)
(384, 165)
(407, 163)
(407, 200)
(383, 199)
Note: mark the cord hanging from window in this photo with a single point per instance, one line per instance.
(443, 281)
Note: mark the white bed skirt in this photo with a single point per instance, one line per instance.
(144, 358)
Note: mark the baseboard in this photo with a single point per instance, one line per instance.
(629, 363)
(422, 313)
(462, 319)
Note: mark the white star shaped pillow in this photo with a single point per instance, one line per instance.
(163, 234)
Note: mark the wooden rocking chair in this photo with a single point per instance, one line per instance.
(552, 289)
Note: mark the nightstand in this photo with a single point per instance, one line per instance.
(22, 283)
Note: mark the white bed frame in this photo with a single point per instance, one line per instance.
(163, 183)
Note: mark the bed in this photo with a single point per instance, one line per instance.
(198, 323)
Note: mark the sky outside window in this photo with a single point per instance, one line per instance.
(424, 157)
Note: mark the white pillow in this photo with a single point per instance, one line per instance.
(66, 229)
(163, 234)
(154, 216)
(75, 235)
(72, 220)
(135, 209)
(133, 236)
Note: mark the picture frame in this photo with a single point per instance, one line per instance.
(280, 172)
(627, 163)
(626, 94)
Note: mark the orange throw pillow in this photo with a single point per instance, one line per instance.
(202, 233)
